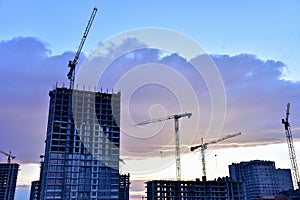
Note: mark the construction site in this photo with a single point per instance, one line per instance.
(82, 155)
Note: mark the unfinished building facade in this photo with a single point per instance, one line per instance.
(82, 146)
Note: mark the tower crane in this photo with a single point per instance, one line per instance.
(176, 117)
(9, 156)
(73, 63)
(289, 139)
(203, 147)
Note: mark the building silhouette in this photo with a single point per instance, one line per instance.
(124, 185)
(35, 190)
(220, 189)
(82, 146)
(284, 180)
(260, 178)
(8, 180)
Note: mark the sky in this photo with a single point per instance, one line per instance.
(254, 46)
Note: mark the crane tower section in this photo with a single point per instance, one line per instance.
(203, 147)
(292, 154)
(176, 117)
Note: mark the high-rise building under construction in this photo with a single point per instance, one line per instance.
(82, 146)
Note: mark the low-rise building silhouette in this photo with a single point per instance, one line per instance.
(219, 189)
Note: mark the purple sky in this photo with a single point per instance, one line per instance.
(254, 44)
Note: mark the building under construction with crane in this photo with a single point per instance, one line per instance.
(82, 152)
(8, 177)
(248, 180)
(219, 189)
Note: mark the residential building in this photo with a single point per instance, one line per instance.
(8, 180)
(35, 190)
(261, 178)
(82, 146)
(220, 189)
(284, 180)
(124, 183)
(291, 194)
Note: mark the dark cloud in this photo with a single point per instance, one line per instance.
(256, 93)
(28, 72)
(257, 96)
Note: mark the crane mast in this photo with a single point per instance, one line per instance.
(292, 154)
(73, 63)
(203, 147)
(71, 77)
(176, 118)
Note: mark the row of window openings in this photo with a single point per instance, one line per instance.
(81, 162)
(79, 194)
(85, 115)
(85, 96)
(65, 105)
(103, 149)
(88, 121)
(72, 157)
(88, 141)
(188, 188)
(100, 156)
(76, 184)
(188, 194)
(88, 131)
(82, 109)
(86, 136)
(71, 168)
(87, 125)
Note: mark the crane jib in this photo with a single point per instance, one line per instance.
(72, 64)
